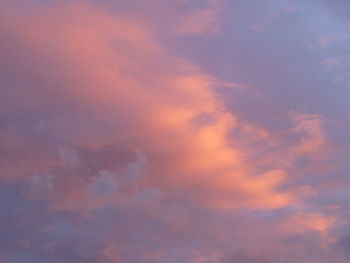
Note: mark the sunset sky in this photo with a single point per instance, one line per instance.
(174, 131)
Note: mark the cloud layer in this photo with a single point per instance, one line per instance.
(173, 131)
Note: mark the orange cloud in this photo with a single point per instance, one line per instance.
(304, 222)
(112, 71)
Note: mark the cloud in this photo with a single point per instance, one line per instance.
(201, 21)
(68, 157)
(169, 131)
(311, 126)
(116, 86)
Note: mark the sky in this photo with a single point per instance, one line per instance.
(178, 131)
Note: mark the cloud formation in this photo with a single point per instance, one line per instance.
(153, 132)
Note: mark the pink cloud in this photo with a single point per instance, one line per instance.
(119, 150)
(108, 67)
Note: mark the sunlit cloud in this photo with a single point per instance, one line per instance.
(173, 131)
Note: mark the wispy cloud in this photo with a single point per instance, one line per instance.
(172, 132)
